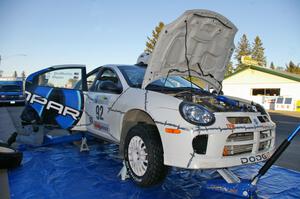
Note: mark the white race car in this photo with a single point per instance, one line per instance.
(156, 116)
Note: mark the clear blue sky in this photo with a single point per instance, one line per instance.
(95, 32)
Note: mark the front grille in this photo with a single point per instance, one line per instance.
(264, 145)
(230, 150)
(236, 137)
(240, 143)
(267, 136)
(239, 120)
(264, 134)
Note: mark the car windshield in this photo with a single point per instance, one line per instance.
(10, 88)
(134, 76)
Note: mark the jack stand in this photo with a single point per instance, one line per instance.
(228, 176)
(123, 172)
(243, 188)
(84, 146)
(232, 185)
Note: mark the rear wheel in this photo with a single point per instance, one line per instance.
(144, 155)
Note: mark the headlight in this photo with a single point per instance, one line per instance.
(196, 114)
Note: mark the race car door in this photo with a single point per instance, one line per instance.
(56, 95)
(103, 93)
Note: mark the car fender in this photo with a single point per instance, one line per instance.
(153, 108)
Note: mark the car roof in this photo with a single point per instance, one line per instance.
(118, 66)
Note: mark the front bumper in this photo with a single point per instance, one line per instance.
(244, 151)
(12, 101)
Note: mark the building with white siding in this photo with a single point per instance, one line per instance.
(273, 89)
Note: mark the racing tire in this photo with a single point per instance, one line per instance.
(143, 154)
(9, 157)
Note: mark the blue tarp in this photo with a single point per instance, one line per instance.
(61, 171)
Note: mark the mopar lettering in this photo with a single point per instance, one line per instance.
(61, 109)
(253, 159)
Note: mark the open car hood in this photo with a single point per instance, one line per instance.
(200, 39)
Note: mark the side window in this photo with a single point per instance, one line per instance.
(63, 78)
(107, 76)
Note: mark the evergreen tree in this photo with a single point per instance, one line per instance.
(15, 74)
(243, 49)
(1, 72)
(258, 53)
(150, 44)
(229, 69)
(293, 68)
(272, 65)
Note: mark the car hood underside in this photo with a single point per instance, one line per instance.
(201, 40)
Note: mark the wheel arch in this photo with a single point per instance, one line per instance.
(130, 119)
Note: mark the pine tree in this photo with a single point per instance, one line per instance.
(1, 72)
(293, 68)
(272, 66)
(15, 75)
(243, 49)
(258, 53)
(229, 69)
(150, 44)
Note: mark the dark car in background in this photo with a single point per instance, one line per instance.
(11, 92)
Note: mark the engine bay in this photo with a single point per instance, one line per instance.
(217, 103)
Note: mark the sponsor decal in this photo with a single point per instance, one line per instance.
(48, 104)
(256, 158)
(101, 126)
(100, 99)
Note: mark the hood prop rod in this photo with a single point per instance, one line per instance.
(187, 59)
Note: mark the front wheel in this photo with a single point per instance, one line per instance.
(144, 155)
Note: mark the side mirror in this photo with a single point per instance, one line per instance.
(110, 86)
